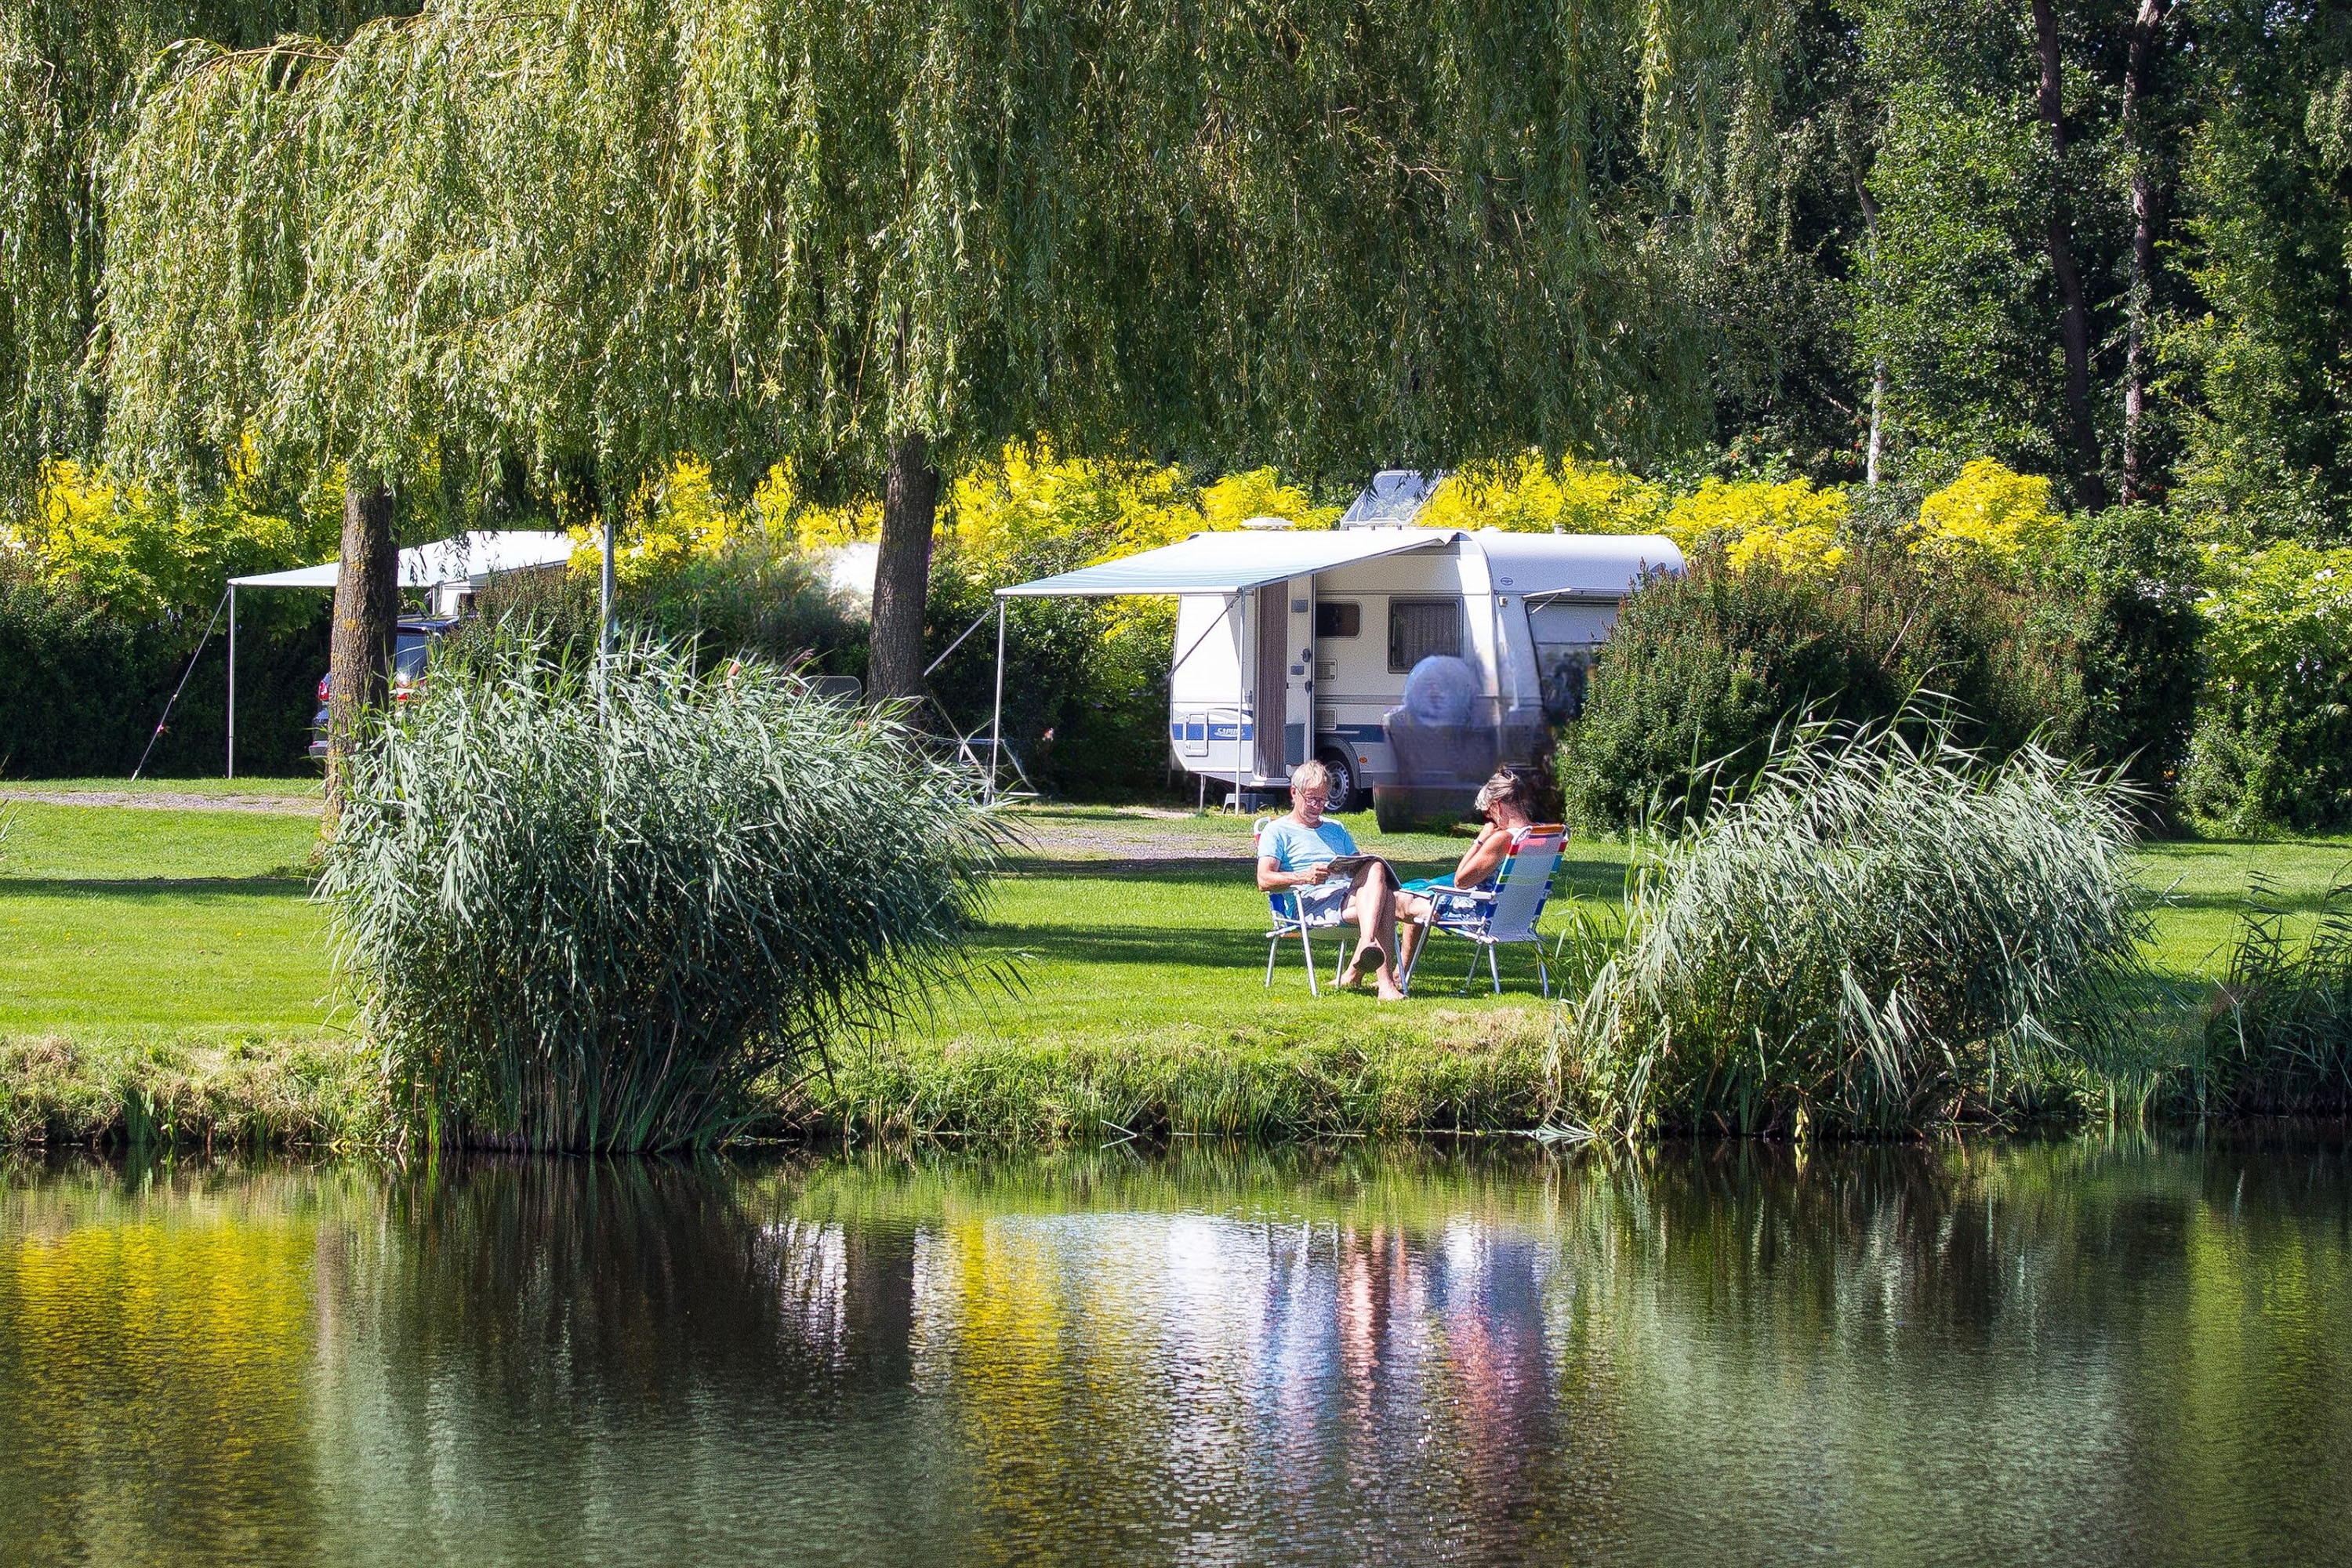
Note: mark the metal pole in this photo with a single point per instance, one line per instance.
(1245, 606)
(232, 681)
(996, 715)
(607, 632)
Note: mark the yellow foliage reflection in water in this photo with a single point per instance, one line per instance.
(160, 1336)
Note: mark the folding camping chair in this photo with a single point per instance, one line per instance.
(1297, 914)
(1505, 912)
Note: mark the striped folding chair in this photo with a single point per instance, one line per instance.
(1297, 912)
(1506, 911)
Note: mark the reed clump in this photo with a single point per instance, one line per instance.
(2276, 1036)
(1885, 932)
(613, 906)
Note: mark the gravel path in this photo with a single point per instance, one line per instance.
(270, 804)
(1058, 843)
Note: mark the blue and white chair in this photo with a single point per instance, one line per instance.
(1299, 911)
(1505, 911)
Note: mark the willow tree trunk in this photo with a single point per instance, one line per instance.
(2074, 316)
(902, 572)
(2139, 61)
(367, 614)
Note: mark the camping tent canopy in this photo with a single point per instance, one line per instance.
(457, 559)
(1230, 563)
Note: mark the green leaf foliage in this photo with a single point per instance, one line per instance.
(1879, 935)
(589, 240)
(590, 907)
(2274, 744)
(1706, 671)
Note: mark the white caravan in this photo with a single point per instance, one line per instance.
(1411, 660)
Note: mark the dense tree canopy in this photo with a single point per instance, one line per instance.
(2101, 239)
(1326, 234)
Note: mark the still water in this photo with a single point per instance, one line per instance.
(2092, 1352)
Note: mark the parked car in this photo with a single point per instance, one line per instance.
(411, 649)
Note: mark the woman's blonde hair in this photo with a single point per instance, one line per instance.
(1310, 775)
(1506, 788)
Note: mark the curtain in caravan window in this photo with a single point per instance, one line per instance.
(1420, 627)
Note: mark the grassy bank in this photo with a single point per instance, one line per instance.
(163, 968)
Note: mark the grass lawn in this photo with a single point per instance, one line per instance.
(307, 787)
(1126, 949)
(124, 917)
(119, 922)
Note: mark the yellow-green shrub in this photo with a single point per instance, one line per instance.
(1529, 494)
(1792, 526)
(1989, 514)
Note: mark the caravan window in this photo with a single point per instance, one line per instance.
(1338, 620)
(1419, 628)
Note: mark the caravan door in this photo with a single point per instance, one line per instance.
(1285, 660)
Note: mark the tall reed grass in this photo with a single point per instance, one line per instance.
(1886, 931)
(595, 908)
(2277, 1033)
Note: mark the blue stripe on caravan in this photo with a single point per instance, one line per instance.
(1359, 732)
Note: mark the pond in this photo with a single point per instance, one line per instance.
(2120, 1351)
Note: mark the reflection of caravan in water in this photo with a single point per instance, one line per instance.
(1411, 660)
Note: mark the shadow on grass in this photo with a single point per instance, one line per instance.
(1577, 879)
(1243, 952)
(2302, 900)
(146, 887)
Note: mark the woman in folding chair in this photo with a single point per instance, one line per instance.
(1508, 805)
(1295, 853)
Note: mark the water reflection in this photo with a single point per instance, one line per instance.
(2103, 1350)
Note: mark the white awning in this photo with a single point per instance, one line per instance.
(1229, 562)
(1596, 566)
(459, 559)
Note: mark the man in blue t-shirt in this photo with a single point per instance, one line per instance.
(1295, 852)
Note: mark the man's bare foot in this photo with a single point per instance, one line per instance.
(1389, 991)
(1368, 957)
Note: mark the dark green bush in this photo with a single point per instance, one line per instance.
(2121, 601)
(1086, 684)
(1704, 668)
(81, 686)
(2093, 650)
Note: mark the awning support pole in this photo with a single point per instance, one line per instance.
(958, 642)
(232, 682)
(996, 714)
(175, 699)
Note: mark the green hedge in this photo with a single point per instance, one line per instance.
(2095, 650)
(80, 689)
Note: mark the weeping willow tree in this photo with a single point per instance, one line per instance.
(884, 235)
(65, 65)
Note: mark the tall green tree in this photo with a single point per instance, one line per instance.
(65, 69)
(883, 237)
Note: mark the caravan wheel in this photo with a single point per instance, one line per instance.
(1347, 784)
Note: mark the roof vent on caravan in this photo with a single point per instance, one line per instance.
(1393, 500)
(1267, 522)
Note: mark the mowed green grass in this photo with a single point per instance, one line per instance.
(141, 921)
(122, 921)
(1100, 941)
(307, 787)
